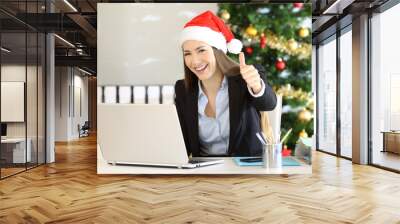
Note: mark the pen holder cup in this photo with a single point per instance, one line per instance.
(272, 155)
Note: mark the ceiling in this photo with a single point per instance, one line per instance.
(77, 26)
(330, 15)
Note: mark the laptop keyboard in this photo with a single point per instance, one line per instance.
(196, 161)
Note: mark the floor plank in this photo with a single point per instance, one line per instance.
(70, 191)
(387, 159)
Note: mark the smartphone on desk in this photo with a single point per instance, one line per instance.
(251, 160)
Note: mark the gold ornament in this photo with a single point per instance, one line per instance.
(290, 47)
(303, 134)
(310, 103)
(225, 15)
(304, 32)
(288, 92)
(251, 31)
(293, 45)
(305, 115)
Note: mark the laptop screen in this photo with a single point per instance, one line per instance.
(3, 129)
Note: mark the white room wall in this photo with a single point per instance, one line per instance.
(67, 115)
(62, 83)
(79, 117)
(144, 48)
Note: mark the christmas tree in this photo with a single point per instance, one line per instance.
(277, 36)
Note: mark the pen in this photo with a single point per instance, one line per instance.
(286, 135)
(260, 138)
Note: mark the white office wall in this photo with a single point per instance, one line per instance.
(80, 110)
(16, 73)
(62, 113)
(12, 101)
(71, 102)
(143, 49)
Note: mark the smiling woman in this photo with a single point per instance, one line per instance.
(199, 58)
(219, 101)
(225, 64)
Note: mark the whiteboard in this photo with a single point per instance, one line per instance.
(12, 101)
(144, 48)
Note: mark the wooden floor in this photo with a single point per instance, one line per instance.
(70, 191)
(5, 172)
(387, 159)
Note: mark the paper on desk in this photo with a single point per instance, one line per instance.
(110, 94)
(153, 94)
(139, 94)
(125, 94)
(275, 118)
(168, 94)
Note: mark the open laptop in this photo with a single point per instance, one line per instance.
(143, 134)
(3, 131)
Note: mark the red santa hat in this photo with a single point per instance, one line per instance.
(210, 29)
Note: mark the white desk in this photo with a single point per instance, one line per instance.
(19, 149)
(228, 167)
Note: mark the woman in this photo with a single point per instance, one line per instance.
(218, 101)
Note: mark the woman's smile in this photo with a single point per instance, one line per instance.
(201, 69)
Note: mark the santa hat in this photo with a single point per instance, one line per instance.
(210, 29)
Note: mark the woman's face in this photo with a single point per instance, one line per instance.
(199, 58)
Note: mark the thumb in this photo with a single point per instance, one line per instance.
(242, 61)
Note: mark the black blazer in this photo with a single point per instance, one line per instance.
(243, 114)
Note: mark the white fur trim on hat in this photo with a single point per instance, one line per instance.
(235, 46)
(205, 34)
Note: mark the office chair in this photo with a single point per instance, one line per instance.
(84, 130)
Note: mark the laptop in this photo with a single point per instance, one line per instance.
(144, 135)
(3, 131)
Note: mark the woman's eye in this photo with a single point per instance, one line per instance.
(186, 54)
(202, 50)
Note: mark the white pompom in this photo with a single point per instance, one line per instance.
(235, 46)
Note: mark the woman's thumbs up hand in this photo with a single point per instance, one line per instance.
(250, 74)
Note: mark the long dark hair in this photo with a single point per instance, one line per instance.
(227, 66)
